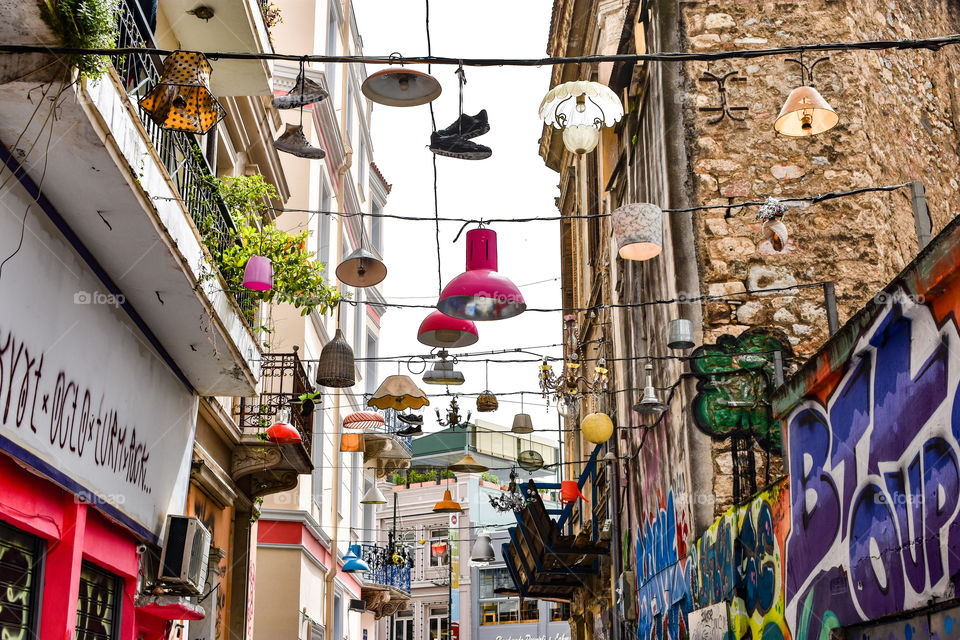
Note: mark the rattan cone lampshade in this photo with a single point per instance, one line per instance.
(336, 367)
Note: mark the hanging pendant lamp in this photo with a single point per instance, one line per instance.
(305, 91)
(181, 100)
(440, 330)
(399, 87)
(530, 460)
(638, 231)
(522, 423)
(373, 496)
(281, 431)
(597, 427)
(650, 404)
(398, 392)
(467, 464)
(362, 268)
(258, 274)
(805, 113)
(352, 562)
(581, 108)
(482, 549)
(480, 293)
(447, 504)
(294, 142)
(581, 138)
(443, 372)
(364, 421)
(680, 334)
(336, 365)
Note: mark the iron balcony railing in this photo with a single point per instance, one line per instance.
(179, 152)
(282, 381)
(383, 571)
(393, 425)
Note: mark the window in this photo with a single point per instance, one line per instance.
(317, 453)
(530, 611)
(358, 329)
(348, 127)
(337, 613)
(98, 605)
(376, 227)
(439, 548)
(437, 624)
(345, 290)
(403, 626)
(20, 589)
(323, 241)
(509, 612)
(493, 579)
(362, 164)
(333, 27)
(371, 365)
(559, 611)
(355, 486)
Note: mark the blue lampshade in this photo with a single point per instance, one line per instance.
(352, 562)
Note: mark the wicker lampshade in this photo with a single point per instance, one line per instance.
(336, 367)
(181, 100)
(486, 401)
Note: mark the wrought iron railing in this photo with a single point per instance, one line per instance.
(283, 380)
(179, 152)
(393, 425)
(383, 571)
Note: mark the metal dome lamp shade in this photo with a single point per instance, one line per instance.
(680, 335)
(373, 496)
(482, 550)
(805, 113)
(336, 365)
(650, 404)
(480, 293)
(362, 268)
(181, 100)
(401, 87)
(305, 91)
(638, 231)
(398, 392)
(258, 274)
(581, 109)
(440, 330)
(447, 505)
(467, 464)
(530, 460)
(443, 372)
(352, 562)
(281, 431)
(294, 142)
(597, 427)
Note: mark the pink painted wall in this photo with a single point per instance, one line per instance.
(295, 533)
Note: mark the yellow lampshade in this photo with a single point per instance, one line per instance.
(447, 505)
(468, 464)
(597, 427)
(805, 113)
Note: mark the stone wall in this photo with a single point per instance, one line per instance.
(898, 122)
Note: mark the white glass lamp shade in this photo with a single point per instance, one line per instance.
(581, 103)
(638, 230)
(581, 138)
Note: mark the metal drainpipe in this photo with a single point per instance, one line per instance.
(615, 540)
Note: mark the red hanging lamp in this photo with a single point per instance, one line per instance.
(440, 330)
(480, 293)
(282, 432)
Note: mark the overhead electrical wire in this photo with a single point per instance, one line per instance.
(931, 44)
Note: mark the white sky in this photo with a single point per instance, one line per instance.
(513, 182)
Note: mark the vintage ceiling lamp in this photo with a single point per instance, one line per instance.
(373, 496)
(680, 334)
(440, 330)
(294, 142)
(522, 422)
(597, 427)
(480, 292)
(336, 365)
(581, 109)
(258, 274)
(776, 232)
(447, 504)
(181, 100)
(281, 431)
(305, 91)
(530, 460)
(650, 404)
(352, 562)
(467, 464)
(443, 372)
(364, 420)
(805, 113)
(638, 231)
(399, 393)
(399, 87)
(362, 268)
(482, 551)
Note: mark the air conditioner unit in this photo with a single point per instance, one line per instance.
(186, 549)
(358, 605)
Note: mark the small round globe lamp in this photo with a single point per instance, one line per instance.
(597, 427)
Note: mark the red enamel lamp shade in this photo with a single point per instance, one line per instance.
(439, 330)
(480, 293)
(282, 432)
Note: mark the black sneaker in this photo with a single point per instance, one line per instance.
(412, 419)
(413, 430)
(457, 147)
(468, 126)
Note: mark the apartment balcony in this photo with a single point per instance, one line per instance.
(386, 587)
(136, 197)
(261, 467)
(385, 451)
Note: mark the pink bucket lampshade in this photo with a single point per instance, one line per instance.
(258, 274)
(480, 293)
(439, 330)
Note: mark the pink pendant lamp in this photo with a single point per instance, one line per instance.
(480, 293)
(439, 330)
(258, 274)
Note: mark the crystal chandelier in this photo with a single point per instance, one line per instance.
(571, 384)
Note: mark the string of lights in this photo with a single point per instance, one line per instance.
(931, 44)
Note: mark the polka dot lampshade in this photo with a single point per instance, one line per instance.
(182, 101)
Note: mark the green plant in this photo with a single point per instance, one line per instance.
(84, 24)
(489, 477)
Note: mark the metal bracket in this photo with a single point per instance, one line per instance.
(724, 109)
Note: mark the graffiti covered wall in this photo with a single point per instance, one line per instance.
(874, 474)
(740, 560)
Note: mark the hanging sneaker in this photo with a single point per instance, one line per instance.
(468, 126)
(457, 147)
(410, 418)
(293, 141)
(410, 431)
(305, 91)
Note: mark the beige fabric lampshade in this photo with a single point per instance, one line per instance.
(638, 230)
(398, 392)
(805, 113)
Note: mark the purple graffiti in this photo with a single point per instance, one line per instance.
(664, 578)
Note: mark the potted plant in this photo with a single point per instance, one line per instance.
(308, 403)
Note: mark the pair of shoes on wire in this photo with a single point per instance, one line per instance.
(454, 141)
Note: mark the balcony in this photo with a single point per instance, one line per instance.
(386, 587)
(261, 467)
(135, 197)
(386, 451)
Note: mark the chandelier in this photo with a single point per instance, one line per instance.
(453, 418)
(571, 384)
